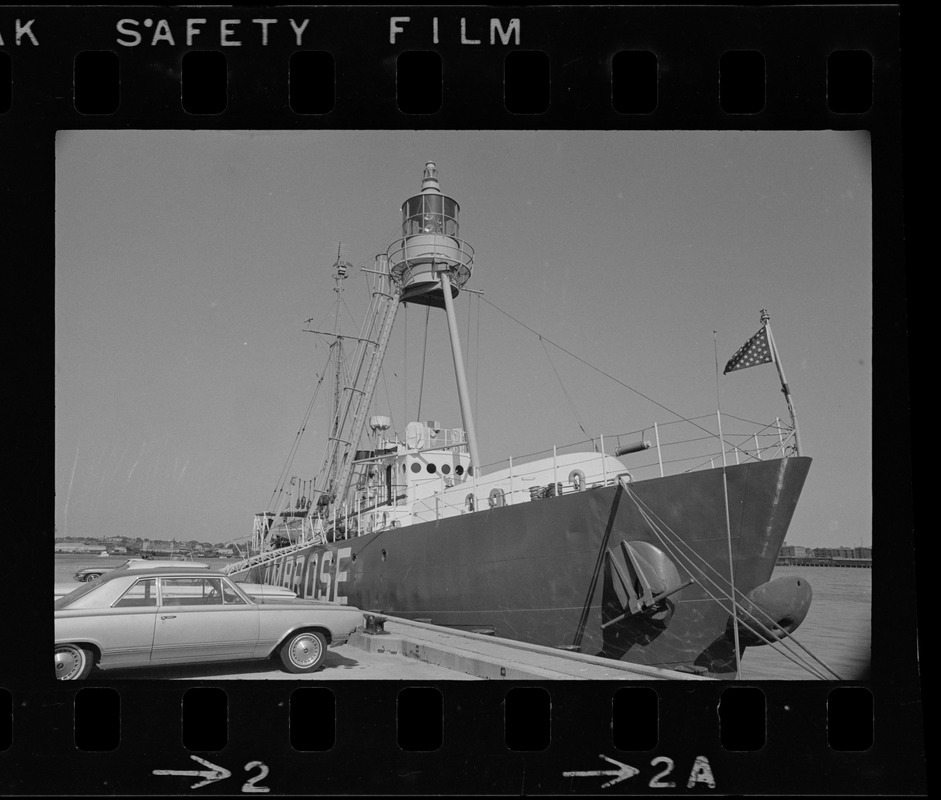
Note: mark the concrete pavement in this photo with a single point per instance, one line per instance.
(493, 658)
(343, 663)
(416, 651)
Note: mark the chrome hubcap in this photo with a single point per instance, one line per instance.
(69, 662)
(305, 651)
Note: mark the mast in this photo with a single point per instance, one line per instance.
(432, 263)
(427, 264)
(457, 356)
(385, 301)
(352, 400)
(340, 271)
(765, 320)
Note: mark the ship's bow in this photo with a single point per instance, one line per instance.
(688, 538)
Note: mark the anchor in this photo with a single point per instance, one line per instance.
(648, 577)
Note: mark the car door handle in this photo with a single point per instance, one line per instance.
(169, 616)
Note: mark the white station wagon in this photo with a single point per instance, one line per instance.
(167, 616)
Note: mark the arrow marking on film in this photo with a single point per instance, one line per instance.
(214, 773)
(623, 772)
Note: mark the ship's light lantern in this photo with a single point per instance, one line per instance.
(430, 243)
(429, 178)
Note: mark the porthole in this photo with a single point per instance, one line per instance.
(416, 467)
(432, 468)
(446, 469)
(459, 469)
(383, 554)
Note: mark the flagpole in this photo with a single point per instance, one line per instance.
(728, 523)
(765, 320)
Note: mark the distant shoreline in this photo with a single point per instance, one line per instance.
(857, 563)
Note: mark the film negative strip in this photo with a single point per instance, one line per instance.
(190, 187)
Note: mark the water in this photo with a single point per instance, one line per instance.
(838, 627)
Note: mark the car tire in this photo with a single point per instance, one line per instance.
(303, 652)
(92, 576)
(73, 663)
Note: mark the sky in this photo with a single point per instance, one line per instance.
(188, 264)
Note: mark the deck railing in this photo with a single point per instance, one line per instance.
(655, 451)
(676, 446)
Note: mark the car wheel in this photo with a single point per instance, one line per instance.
(73, 663)
(92, 576)
(304, 651)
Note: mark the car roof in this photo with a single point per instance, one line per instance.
(151, 563)
(156, 572)
(87, 592)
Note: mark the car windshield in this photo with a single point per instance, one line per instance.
(81, 591)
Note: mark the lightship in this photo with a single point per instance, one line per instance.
(574, 549)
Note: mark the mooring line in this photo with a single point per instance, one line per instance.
(583, 619)
(791, 639)
(785, 643)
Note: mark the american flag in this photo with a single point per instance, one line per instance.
(755, 351)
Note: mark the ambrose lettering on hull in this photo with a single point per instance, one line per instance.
(318, 576)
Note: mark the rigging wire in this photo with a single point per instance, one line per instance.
(473, 347)
(348, 311)
(405, 364)
(578, 419)
(385, 385)
(596, 369)
(728, 521)
(467, 338)
(658, 528)
(342, 371)
(289, 460)
(330, 432)
(477, 357)
(778, 644)
(424, 353)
